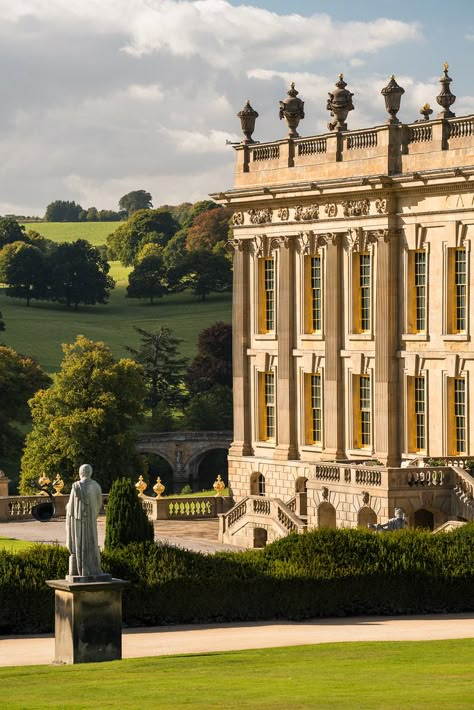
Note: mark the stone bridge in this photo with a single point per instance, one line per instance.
(183, 450)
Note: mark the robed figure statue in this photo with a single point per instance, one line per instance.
(82, 510)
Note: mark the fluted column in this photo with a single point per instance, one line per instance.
(286, 395)
(387, 400)
(333, 384)
(241, 445)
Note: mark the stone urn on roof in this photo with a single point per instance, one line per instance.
(247, 121)
(292, 110)
(339, 104)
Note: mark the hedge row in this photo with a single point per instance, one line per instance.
(322, 573)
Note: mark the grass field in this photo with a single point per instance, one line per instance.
(357, 676)
(40, 329)
(95, 232)
(8, 543)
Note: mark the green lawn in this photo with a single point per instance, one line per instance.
(366, 676)
(95, 232)
(40, 329)
(12, 545)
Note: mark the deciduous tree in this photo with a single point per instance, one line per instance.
(213, 362)
(22, 268)
(11, 231)
(206, 272)
(209, 410)
(20, 378)
(79, 274)
(87, 415)
(135, 200)
(157, 226)
(63, 211)
(148, 278)
(208, 229)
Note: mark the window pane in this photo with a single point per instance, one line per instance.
(316, 293)
(316, 409)
(460, 414)
(460, 286)
(270, 405)
(364, 403)
(420, 290)
(420, 413)
(269, 283)
(364, 285)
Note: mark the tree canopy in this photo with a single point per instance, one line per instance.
(156, 226)
(2, 322)
(206, 272)
(208, 229)
(148, 278)
(86, 416)
(22, 267)
(213, 362)
(20, 378)
(63, 211)
(135, 200)
(11, 231)
(79, 274)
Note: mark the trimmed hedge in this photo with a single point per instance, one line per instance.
(322, 573)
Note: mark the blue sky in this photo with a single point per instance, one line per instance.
(100, 97)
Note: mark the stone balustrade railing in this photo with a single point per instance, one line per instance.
(272, 509)
(379, 476)
(185, 508)
(13, 508)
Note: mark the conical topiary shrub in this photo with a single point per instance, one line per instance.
(126, 520)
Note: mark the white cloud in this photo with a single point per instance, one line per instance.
(222, 34)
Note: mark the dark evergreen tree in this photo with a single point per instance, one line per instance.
(126, 520)
(213, 362)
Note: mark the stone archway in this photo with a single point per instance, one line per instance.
(366, 517)
(326, 516)
(423, 518)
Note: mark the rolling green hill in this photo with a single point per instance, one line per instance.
(95, 232)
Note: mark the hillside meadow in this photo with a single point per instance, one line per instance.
(95, 232)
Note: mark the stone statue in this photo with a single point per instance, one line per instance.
(397, 523)
(82, 510)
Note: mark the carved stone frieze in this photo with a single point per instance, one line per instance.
(262, 216)
(330, 209)
(362, 239)
(238, 219)
(261, 246)
(283, 214)
(381, 206)
(306, 213)
(356, 208)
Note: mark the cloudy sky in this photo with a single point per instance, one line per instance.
(100, 97)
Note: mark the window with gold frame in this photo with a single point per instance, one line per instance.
(313, 297)
(457, 416)
(314, 408)
(362, 292)
(266, 295)
(457, 295)
(417, 290)
(416, 390)
(362, 401)
(267, 410)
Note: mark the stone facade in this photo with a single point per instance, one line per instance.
(352, 321)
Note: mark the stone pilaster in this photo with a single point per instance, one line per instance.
(333, 389)
(286, 390)
(241, 445)
(387, 403)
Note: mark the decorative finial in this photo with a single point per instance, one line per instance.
(339, 104)
(292, 110)
(392, 94)
(247, 121)
(426, 112)
(445, 98)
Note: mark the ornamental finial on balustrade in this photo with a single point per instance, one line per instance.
(392, 94)
(292, 110)
(445, 98)
(247, 121)
(339, 104)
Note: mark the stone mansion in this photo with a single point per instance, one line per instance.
(353, 321)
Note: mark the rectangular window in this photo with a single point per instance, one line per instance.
(460, 285)
(420, 413)
(362, 412)
(361, 293)
(266, 310)
(316, 294)
(460, 414)
(314, 408)
(420, 291)
(267, 423)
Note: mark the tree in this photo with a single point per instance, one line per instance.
(210, 410)
(148, 278)
(111, 216)
(2, 322)
(11, 231)
(175, 256)
(164, 368)
(157, 226)
(20, 378)
(135, 200)
(79, 274)
(63, 211)
(206, 272)
(213, 362)
(86, 416)
(22, 268)
(196, 209)
(92, 214)
(208, 229)
(126, 520)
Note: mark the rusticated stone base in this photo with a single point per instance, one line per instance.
(88, 620)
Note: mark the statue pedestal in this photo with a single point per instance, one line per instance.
(88, 620)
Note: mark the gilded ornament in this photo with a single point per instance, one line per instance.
(218, 485)
(58, 485)
(158, 488)
(43, 482)
(140, 485)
